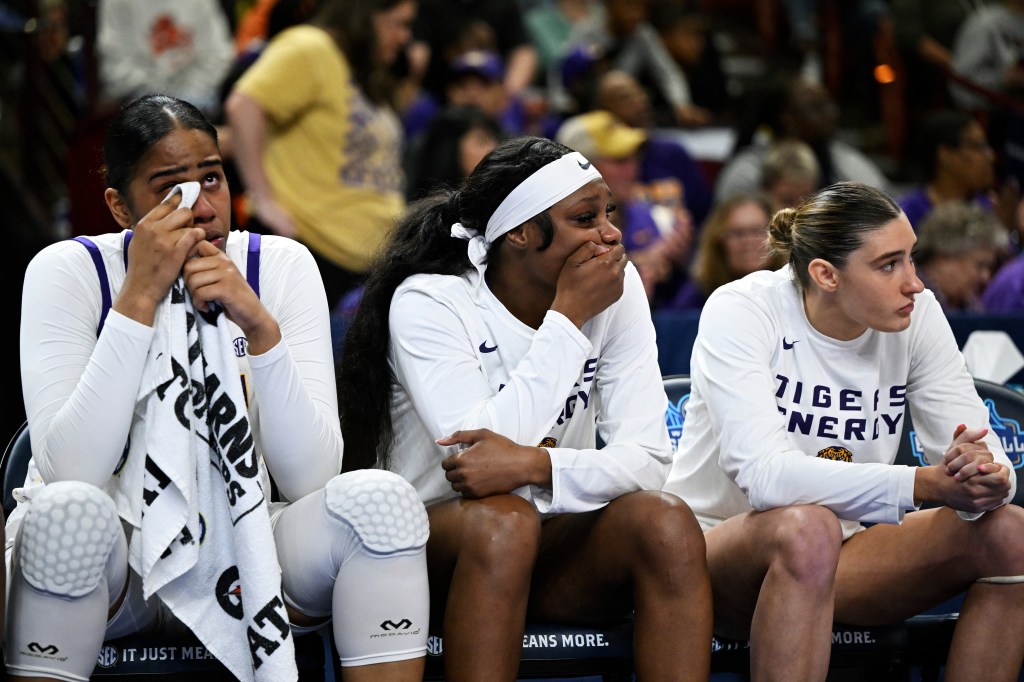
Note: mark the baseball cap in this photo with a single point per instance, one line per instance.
(600, 135)
(483, 63)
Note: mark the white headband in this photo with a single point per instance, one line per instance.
(542, 190)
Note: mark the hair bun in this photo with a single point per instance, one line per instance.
(780, 227)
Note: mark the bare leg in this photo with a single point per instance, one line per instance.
(643, 551)
(888, 573)
(398, 671)
(773, 576)
(480, 556)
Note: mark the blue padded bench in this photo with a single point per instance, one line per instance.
(567, 652)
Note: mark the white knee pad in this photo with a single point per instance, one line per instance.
(66, 538)
(381, 507)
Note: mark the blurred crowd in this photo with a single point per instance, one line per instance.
(705, 117)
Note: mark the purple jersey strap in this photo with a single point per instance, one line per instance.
(252, 263)
(252, 268)
(101, 270)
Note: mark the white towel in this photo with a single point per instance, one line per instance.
(191, 487)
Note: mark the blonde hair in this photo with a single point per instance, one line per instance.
(789, 159)
(710, 267)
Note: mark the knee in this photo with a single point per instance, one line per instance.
(498, 530)
(806, 543)
(998, 533)
(660, 527)
(66, 538)
(381, 507)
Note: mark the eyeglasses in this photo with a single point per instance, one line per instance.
(737, 233)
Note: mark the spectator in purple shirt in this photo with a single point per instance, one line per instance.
(958, 162)
(1005, 292)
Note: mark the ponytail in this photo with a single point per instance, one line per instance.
(421, 243)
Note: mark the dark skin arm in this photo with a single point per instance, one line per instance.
(492, 464)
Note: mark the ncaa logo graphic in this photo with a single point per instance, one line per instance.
(674, 416)
(1008, 431)
(107, 657)
(434, 645)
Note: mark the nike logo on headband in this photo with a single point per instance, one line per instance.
(584, 166)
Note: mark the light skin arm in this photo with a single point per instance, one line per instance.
(934, 52)
(967, 479)
(248, 124)
(522, 67)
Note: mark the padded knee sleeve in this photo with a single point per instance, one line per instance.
(371, 514)
(381, 507)
(66, 538)
(381, 606)
(69, 565)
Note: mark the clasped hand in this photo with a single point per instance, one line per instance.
(981, 483)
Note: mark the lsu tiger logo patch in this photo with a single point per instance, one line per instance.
(836, 454)
(548, 442)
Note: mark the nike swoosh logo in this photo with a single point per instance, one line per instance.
(484, 348)
(584, 166)
(786, 345)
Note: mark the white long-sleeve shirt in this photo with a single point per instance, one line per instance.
(462, 361)
(80, 391)
(776, 407)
